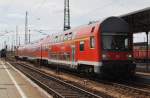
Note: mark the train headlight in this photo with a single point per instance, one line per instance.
(104, 56)
(129, 56)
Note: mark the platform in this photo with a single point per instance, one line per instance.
(142, 67)
(14, 84)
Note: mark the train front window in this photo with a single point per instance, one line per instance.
(115, 41)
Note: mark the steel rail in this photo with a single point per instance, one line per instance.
(55, 93)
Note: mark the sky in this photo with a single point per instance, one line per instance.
(47, 15)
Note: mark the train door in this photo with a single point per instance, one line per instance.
(73, 56)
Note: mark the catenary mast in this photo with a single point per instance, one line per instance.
(66, 15)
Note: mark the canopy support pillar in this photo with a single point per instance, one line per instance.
(147, 58)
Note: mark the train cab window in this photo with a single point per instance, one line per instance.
(116, 41)
(82, 45)
(92, 42)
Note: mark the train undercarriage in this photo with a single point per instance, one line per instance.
(119, 69)
(108, 69)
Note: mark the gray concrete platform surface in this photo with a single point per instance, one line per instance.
(14, 84)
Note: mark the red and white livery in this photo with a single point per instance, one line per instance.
(103, 47)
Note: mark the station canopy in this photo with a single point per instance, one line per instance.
(139, 21)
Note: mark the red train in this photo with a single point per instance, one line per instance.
(103, 48)
(140, 52)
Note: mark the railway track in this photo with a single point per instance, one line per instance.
(130, 86)
(131, 89)
(56, 87)
(125, 87)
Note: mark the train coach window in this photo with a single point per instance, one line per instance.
(70, 36)
(56, 39)
(92, 42)
(67, 56)
(81, 45)
(66, 37)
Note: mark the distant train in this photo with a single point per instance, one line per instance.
(140, 52)
(3, 53)
(104, 48)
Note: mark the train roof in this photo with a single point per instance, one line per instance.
(107, 25)
(109, 22)
(114, 24)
